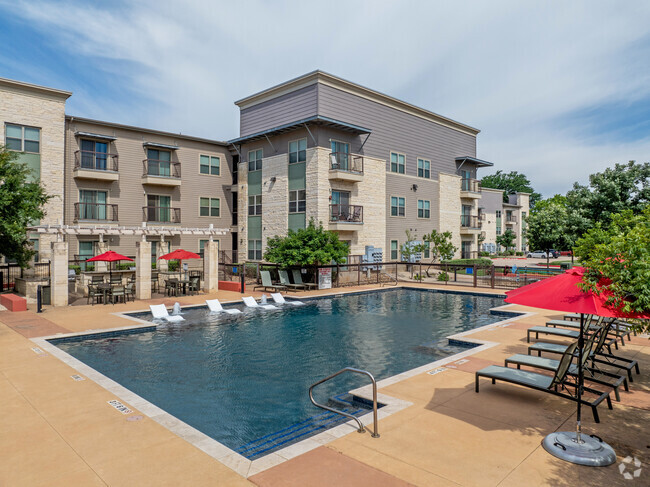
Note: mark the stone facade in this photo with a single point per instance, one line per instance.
(450, 208)
(43, 108)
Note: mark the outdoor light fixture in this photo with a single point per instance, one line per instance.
(273, 179)
(414, 187)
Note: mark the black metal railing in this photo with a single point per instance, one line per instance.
(97, 161)
(346, 213)
(342, 161)
(511, 219)
(161, 214)
(470, 221)
(471, 185)
(164, 169)
(95, 211)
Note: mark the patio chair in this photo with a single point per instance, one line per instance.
(284, 280)
(194, 286)
(159, 312)
(267, 284)
(94, 295)
(129, 291)
(297, 278)
(116, 279)
(97, 279)
(590, 374)
(617, 331)
(250, 302)
(556, 332)
(555, 385)
(598, 356)
(116, 293)
(215, 307)
(279, 299)
(171, 287)
(356, 215)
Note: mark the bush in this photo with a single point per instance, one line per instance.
(75, 268)
(443, 276)
(484, 254)
(153, 265)
(172, 266)
(418, 277)
(469, 262)
(519, 253)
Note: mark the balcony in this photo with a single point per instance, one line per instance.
(98, 212)
(511, 220)
(161, 214)
(470, 188)
(161, 173)
(346, 167)
(470, 224)
(99, 166)
(346, 217)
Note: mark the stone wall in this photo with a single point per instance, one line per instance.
(450, 207)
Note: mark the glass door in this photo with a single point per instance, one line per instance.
(340, 205)
(341, 151)
(159, 162)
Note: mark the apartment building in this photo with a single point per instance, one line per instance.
(117, 175)
(499, 216)
(366, 165)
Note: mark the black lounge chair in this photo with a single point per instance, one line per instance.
(556, 385)
(617, 331)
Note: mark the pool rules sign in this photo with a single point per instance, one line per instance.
(325, 278)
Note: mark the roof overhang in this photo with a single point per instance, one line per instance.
(160, 146)
(90, 135)
(475, 161)
(34, 89)
(315, 120)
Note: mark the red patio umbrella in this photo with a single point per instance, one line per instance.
(109, 256)
(562, 293)
(180, 255)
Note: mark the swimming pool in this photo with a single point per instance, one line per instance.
(243, 379)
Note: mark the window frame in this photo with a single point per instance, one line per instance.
(397, 215)
(426, 212)
(256, 211)
(403, 166)
(248, 161)
(210, 207)
(297, 201)
(289, 152)
(424, 170)
(396, 250)
(210, 166)
(254, 249)
(22, 137)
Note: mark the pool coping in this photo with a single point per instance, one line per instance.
(229, 457)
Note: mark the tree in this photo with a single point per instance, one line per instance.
(440, 246)
(626, 186)
(617, 260)
(21, 204)
(507, 239)
(307, 246)
(547, 227)
(511, 182)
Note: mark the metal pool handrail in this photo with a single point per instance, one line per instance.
(375, 434)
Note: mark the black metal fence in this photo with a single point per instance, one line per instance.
(10, 272)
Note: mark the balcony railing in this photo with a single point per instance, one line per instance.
(161, 214)
(346, 213)
(511, 219)
(342, 161)
(471, 185)
(97, 161)
(95, 211)
(164, 169)
(470, 221)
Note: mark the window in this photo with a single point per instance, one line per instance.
(424, 209)
(92, 205)
(427, 251)
(394, 249)
(159, 162)
(35, 247)
(210, 165)
(159, 208)
(341, 154)
(397, 205)
(466, 249)
(19, 138)
(209, 206)
(254, 250)
(297, 151)
(93, 154)
(202, 247)
(255, 160)
(397, 162)
(498, 222)
(424, 168)
(255, 205)
(297, 202)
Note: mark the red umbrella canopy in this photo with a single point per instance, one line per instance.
(109, 256)
(562, 293)
(180, 254)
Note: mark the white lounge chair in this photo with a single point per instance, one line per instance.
(250, 302)
(160, 312)
(215, 307)
(279, 299)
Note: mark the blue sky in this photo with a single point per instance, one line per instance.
(559, 89)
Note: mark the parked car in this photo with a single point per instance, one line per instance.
(537, 254)
(554, 253)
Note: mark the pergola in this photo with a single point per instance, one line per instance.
(144, 230)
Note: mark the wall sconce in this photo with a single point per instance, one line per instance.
(414, 187)
(273, 179)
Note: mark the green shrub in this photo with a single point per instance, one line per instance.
(172, 266)
(469, 262)
(519, 254)
(443, 276)
(76, 268)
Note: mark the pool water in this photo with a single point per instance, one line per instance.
(243, 380)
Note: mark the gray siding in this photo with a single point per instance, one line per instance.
(394, 130)
(293, 106)
(403, 186)
(491, 201)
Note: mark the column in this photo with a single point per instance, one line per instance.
(161, 264)
(143, 270)
(211, 267)
(59, 274)
(101, 248)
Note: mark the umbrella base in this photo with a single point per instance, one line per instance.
(592, 451)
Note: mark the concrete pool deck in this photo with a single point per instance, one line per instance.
(55, 430)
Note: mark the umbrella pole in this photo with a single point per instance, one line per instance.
(581, 344)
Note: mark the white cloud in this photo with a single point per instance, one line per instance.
(510, 68)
